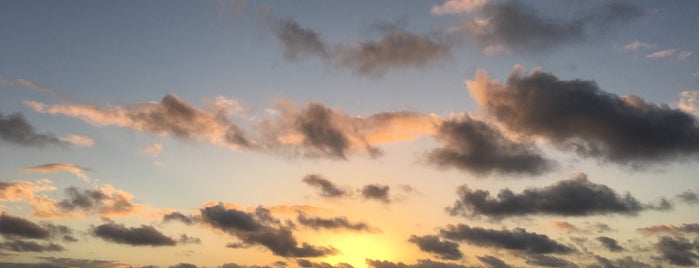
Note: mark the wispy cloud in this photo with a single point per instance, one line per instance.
(636, 45)
(457, 7)
(79, 171)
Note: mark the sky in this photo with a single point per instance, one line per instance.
(338, 134)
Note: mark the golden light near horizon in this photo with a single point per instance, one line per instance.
(356, 248)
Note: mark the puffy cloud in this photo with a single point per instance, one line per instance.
(14, 128)
(260, 228)
(327, 188)
(516, 239)
(677, 251)
(517, 27)
(549, 261)
(457, 7)
(426, 263)
(376, 192)
(25, 191)
(103, 200)
(477, 147)
(317, 223)
(144, 235)
(577, 115)
(58, 167)
(445, 250)
(493, 262)
(684, 228)
(610, 244)
(30, 246)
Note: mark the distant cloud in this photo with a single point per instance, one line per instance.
(61, 167)
(327, 188)
(514, 26)
(260, 228)
(445, 250)
(177, 216)
(143, 235)
(152, 149)
(336, 223)
(689, 197)
(565, 226)
(426, 263)
(79, 140)
(517, 239)
(610, 244)
(309, 264)
(549, 261)
(14, 128)
(672, 229)
(493, 262)
(667, 53)
(677, 251)
(578, 116)
(574, 197)
(31, 86)
(376, 192)
(477, 147)
(636, 45)
(457, 7)
(186, 239)
(627, 261)
(30, 246)
(69, 262)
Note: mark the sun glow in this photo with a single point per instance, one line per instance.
(356, 248)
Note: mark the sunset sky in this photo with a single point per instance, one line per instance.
(383, 134)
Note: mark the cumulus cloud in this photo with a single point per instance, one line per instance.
(457, 7)
(445, 250)
(260, 228)
(573, 197)
(610, 244)
(26, 191)
(376, 192)
(493, 262)
(517, 239)
(475, 146)
(14, 128)
(426, 263)
(657, 229)
(143, 235)
(327, 188)
(335, 223)
(577, 115)
(79, 171)
(30, 246)
(549, 261)
(104, 200)
(677, 251)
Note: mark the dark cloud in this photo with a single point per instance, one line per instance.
(103, 200)
(299, 41)
(309, 264)
(183, 265)
(516, 27)
(626, 262)
(259, 228)
(83, 263)
(689, 197)
(30, 246)
(376, 192)
(684, 228)
(12, 226)
(477, 147)
(327, 188)
(516, 239)
(577, 115)
(677, 251)
(445, 250)
(177, 216)
(185, 239)
(427, 263)
(316, 125)
(144, 235)
(14, 128)
(493, 262)
(333, 223)
(573, 197)
(549, 261)
(610, 244)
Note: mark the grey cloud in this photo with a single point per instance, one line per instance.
(474, 146)
(446, 250)
(30, 246)
(376, 192)
(549, 261)
(677, 251)
(333, 223)
(259, 228)
(689, 197)
(183, 265)
(316, 125)
(186, 239)
(625, 262)
(684, 228)
(426, 263)
(327, 188)
(574, 197)
(493, 262)
(577, 115)
(14, 128)
(144, 235)
(177, 216)
(516, 239)
(610, 244)
(514, 26)
(83, 263)
(309, 264)
(12, 226)
(101, 200)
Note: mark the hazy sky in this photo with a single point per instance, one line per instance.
(384, 134)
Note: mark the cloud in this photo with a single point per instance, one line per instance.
(152, 149)
(684, 228)
(520, 28)
(394, 50)
(493, 262)
(516, 239)
(667, 53)
(577, 115)
(25, 191)
(317, 223)
(103, 200)
(474, 146)
(689, 102)
(689, 197)
(677, 251)
(30, 246)
(327, 188)
(549, 261)
(565, 226)
(31, 86)
(610, 244)
(426, 263)
(183, 265)
(177, 216)
(445, 250)
(144, 235)
(14, 128)
(58, 167)
(79, 140)
(171, 116)
(573, 197)
(625, 262)
(457, 7)
(309, 264)
(186, 239)
(376, 192)
(69, 262)
(260, 228)
(12, 227)
(636, 45)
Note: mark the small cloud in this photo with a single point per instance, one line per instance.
(144, 235)
(457, 7)
(662, 54)
(636, 45)
(79, 140)
(152, 149)
(60, 167)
